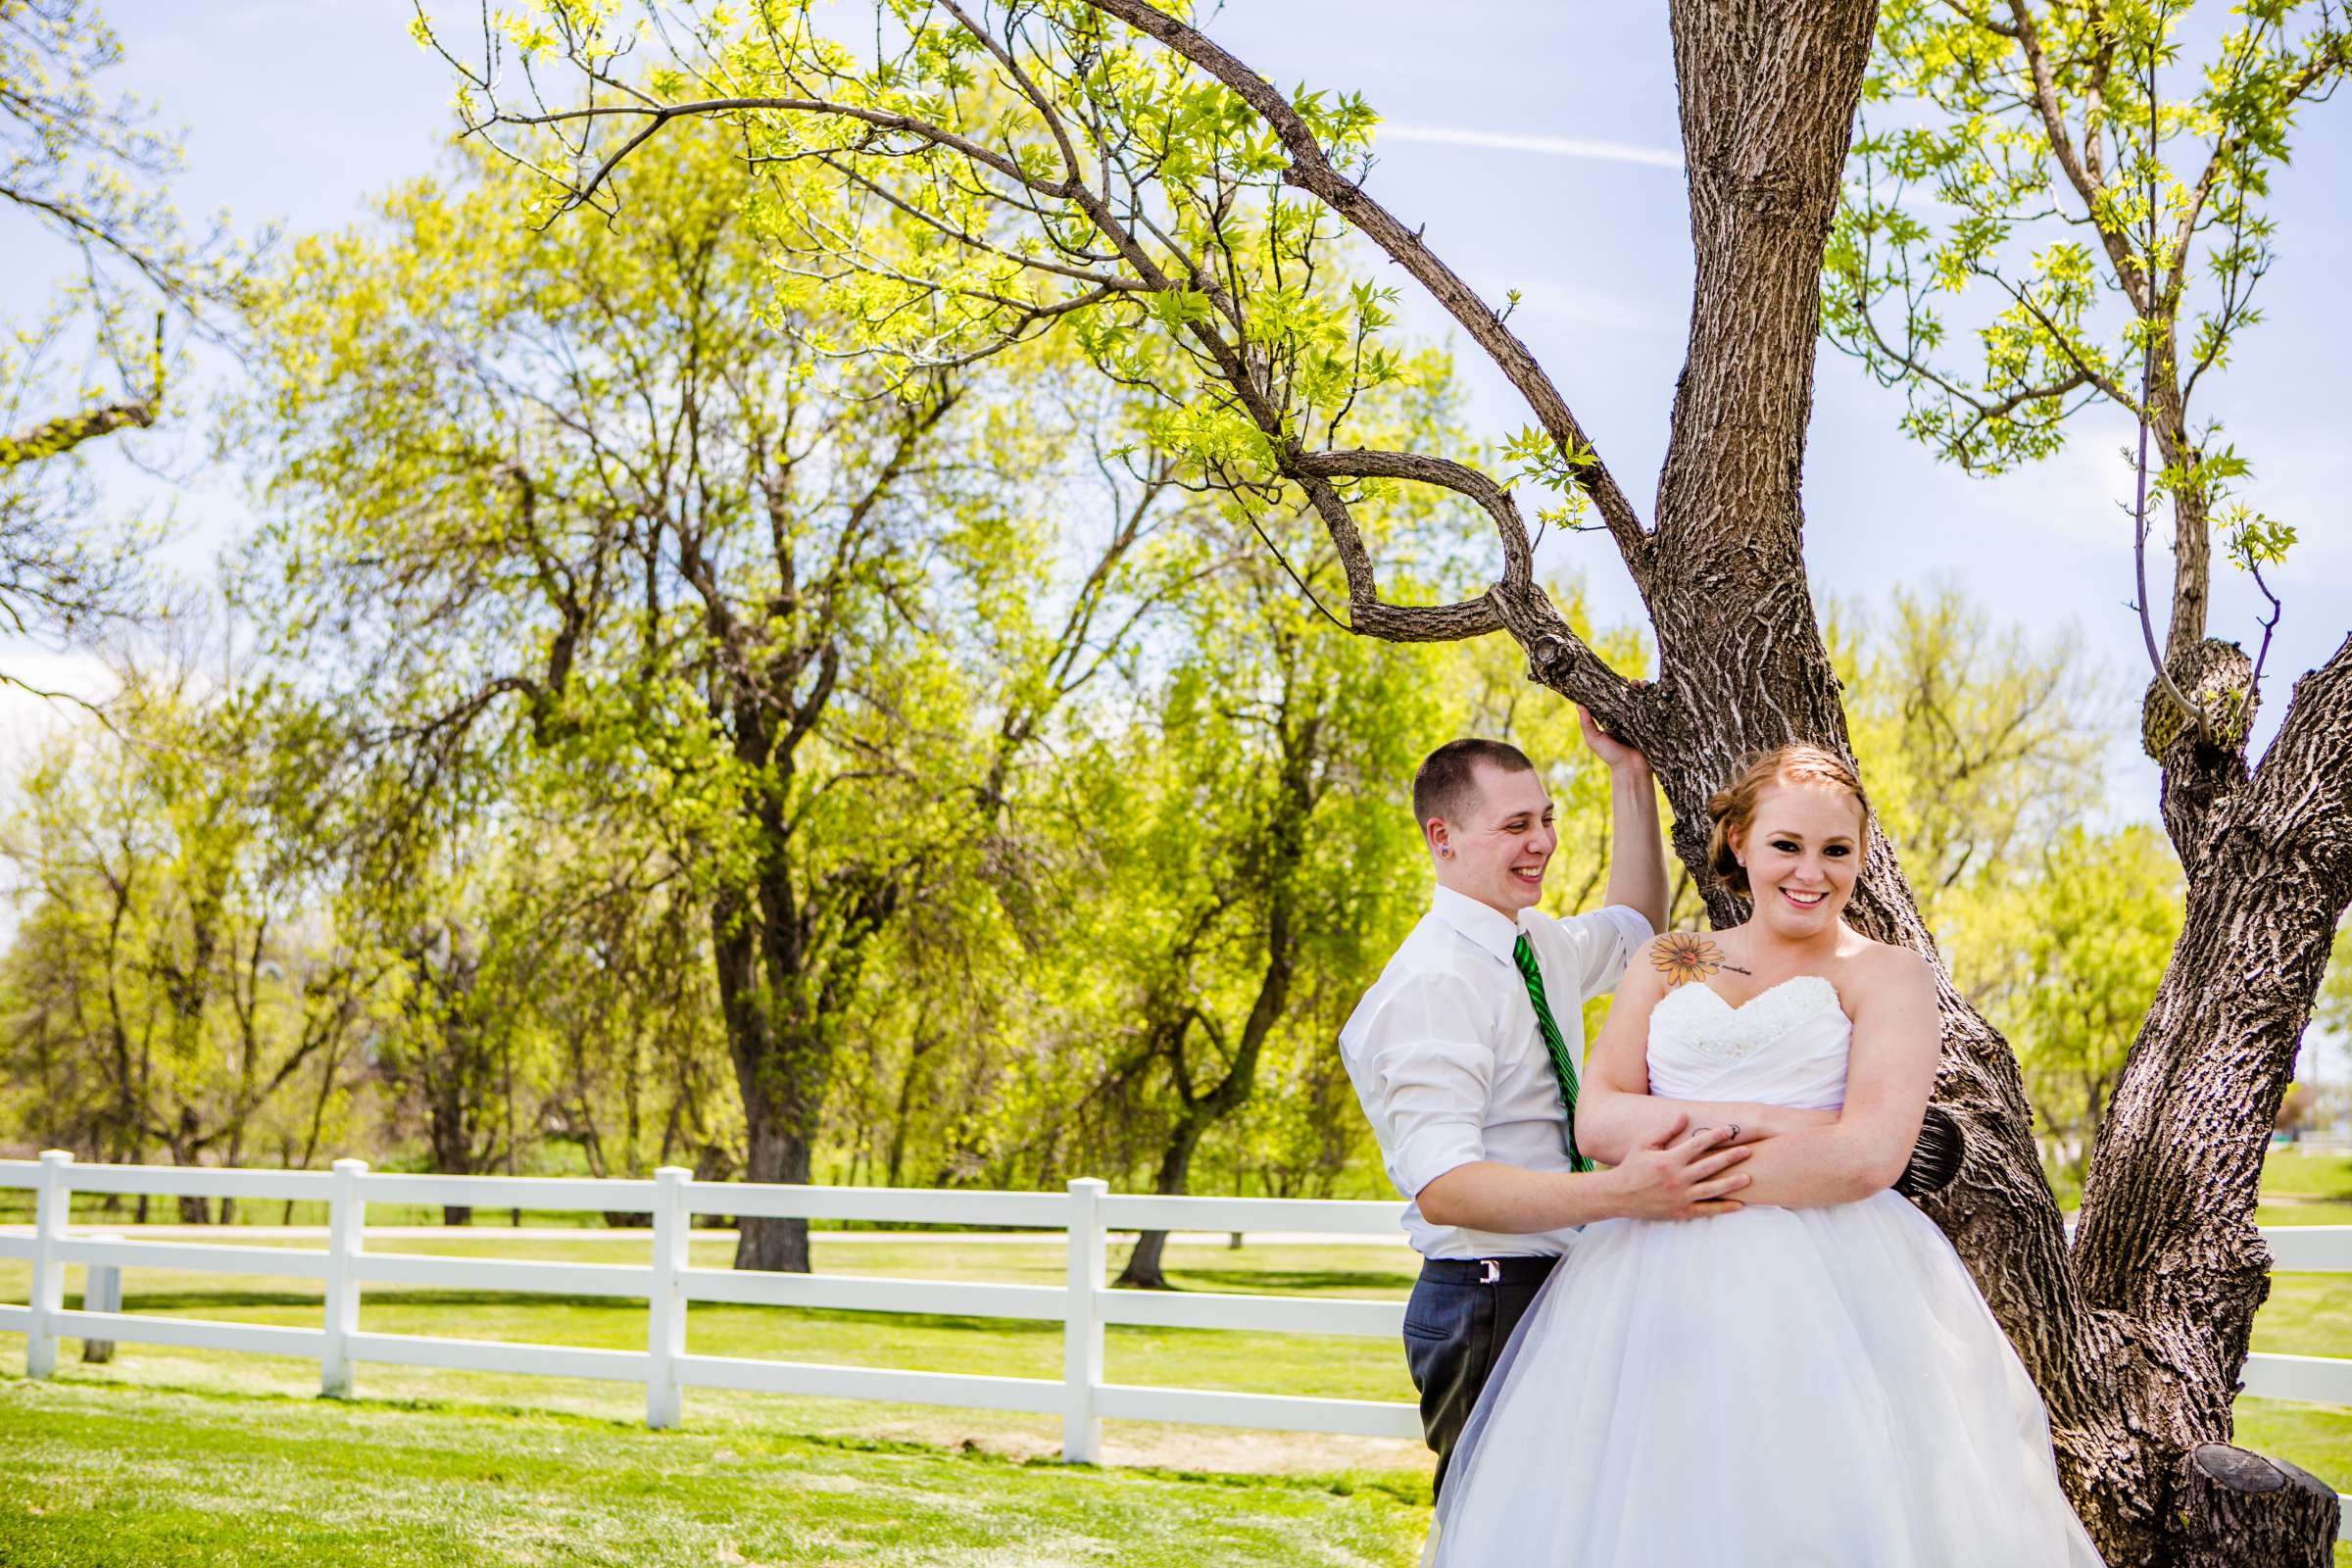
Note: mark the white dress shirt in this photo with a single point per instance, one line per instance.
(1449, 1066)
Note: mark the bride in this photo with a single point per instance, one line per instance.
(1813, 1380)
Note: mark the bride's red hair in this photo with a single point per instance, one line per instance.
(1732, 808)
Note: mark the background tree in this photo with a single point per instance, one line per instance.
(1105, 162)
(2083, 935)
(609, 503)
(468, 1048)
(1265, 849)
(90, 175)
(169, 974)
(2334, 1010)
(641, 1059)
(1982, 744)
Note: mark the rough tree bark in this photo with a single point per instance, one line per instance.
(2139, 1352)
(2137, 1336)
(2135, 1341)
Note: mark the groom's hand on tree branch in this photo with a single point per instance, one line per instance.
(1617, 753)
(1637, 848)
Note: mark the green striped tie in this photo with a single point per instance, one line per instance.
(1563, 1066)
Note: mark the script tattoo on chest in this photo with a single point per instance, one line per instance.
(1683, 957)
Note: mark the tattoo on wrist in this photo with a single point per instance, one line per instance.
(1683, 957)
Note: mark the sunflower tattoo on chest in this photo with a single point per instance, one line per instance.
(1683, 957)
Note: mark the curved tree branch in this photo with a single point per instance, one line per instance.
(1311, 171)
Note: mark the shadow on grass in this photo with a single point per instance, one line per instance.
(194, 1302)
(455, 1409)
(1290, 1282)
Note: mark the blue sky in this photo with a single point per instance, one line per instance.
(299, 111)
(1537, 144)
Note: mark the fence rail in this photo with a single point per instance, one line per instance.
(1083, 1215)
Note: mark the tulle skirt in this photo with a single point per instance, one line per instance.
(1818, 1388)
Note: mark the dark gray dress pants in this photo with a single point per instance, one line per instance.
(1463, 1312)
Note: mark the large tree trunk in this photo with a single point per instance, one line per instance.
(2139, 1361)
(2138, 1358)
(2167, 1256)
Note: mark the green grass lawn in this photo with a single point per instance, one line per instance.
(93, 1474)
(175, 1456)
(2305, 1190)
(2291, 1173)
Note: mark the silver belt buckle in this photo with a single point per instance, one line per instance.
(1492, 1268)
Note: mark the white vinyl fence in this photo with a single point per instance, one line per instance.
(1084, 1305)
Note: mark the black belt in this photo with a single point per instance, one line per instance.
(1523, 1270)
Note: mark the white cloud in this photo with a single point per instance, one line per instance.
(1606, 152)
(1579, 306)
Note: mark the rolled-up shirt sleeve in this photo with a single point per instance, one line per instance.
(1603, 943)
(1426, 1076)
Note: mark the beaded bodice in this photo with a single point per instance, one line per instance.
(1785, 1046)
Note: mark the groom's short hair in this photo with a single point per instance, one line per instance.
(1448, 782)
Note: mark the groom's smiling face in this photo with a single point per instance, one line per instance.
(1498, 850)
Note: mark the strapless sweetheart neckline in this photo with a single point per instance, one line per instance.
(1778, 985)
(1727, 1032)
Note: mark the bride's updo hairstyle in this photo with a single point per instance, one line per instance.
(1733, 808)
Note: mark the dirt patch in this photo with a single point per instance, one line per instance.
(1173, 1448)
(1257, 1453)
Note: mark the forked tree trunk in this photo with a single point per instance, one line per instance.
(2138, 1358)
(2137, 1340)
(1286, 838)
(2168, 1261)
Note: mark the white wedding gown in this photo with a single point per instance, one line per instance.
(1783, 1388)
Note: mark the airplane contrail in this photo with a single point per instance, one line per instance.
(1609, 152)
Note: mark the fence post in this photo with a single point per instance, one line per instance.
(50, 1208)
(346, 1238)
(101, 1292)
(1082, 1324)
(665, 1301)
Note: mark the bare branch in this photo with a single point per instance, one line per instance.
(61, 434)
(1518, 553)
(2134, 277)
(1310, 170)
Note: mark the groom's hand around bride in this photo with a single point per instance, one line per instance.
(1678, 1175)
(1681, 1175)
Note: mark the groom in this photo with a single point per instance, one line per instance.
(1465, 1056)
